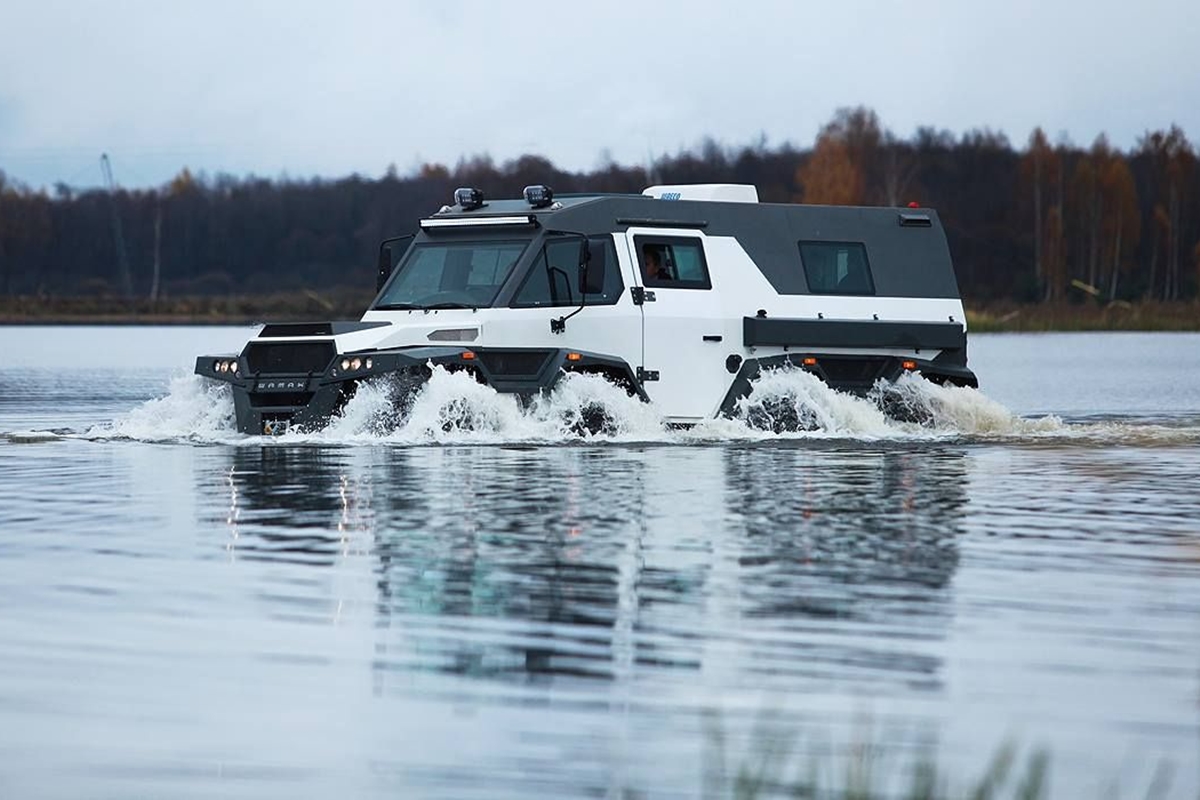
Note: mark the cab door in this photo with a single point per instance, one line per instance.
(683, 356)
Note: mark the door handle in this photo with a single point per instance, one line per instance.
(712, 338)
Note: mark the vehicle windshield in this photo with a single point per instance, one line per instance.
(451, 275)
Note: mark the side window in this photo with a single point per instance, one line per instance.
(672, 262)
(837, 268)
(553, 280)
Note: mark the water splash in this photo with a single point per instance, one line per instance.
(453, 407)
(958, 409)
(783, 404)
(450, 406)
(796, 401)
(194, 409)
(591, 407)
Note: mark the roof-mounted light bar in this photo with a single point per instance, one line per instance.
(468, 198)
(539, 195)
(473, 222)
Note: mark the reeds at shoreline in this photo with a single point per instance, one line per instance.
(878, 764)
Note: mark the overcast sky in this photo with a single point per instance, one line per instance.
(307, 88)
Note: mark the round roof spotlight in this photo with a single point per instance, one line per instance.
(345, 365)
(356, 364)
(468, 198)
(539, 195)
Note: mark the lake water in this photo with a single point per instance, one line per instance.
(422, 610)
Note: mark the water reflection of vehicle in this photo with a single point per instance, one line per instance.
(587, 563)
(683, 295)
(858, 516)
(517, 563)
(853, 550)
(294, 503)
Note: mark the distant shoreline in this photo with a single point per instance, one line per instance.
(1181, 316)
(349, 305)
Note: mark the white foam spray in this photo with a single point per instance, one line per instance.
(194, 409)
(796, 401)
(957, 409)
(454, 407)
(785, 403)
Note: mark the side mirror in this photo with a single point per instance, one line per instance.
(390, 252)
(385, 267)
(591, 269)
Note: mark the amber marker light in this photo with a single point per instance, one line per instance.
(574, 356)
(910, 365)
(468, 355)
(809, 361)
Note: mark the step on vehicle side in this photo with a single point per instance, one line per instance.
(684, 295)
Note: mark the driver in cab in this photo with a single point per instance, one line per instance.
(652, 265)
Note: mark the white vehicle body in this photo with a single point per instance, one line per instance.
(744, 287)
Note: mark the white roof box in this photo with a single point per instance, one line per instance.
(724, 192)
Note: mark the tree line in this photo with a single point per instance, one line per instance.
(1048, 222)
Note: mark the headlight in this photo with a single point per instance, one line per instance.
(355, 363)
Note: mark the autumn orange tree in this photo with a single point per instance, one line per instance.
(844, 168)
(831, 177)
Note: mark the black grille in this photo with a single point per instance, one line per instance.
(289, 358)
(279, 399)
(514, 363)
(851, 370)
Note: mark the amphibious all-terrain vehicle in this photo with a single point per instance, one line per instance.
(683, 295)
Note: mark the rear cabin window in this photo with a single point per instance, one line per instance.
(554, 278)
(672, 262)
(837, 268)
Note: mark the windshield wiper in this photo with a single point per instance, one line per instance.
(436, 306)
(398, 307)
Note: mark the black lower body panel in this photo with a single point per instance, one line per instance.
(273, 403)
(853, 374)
